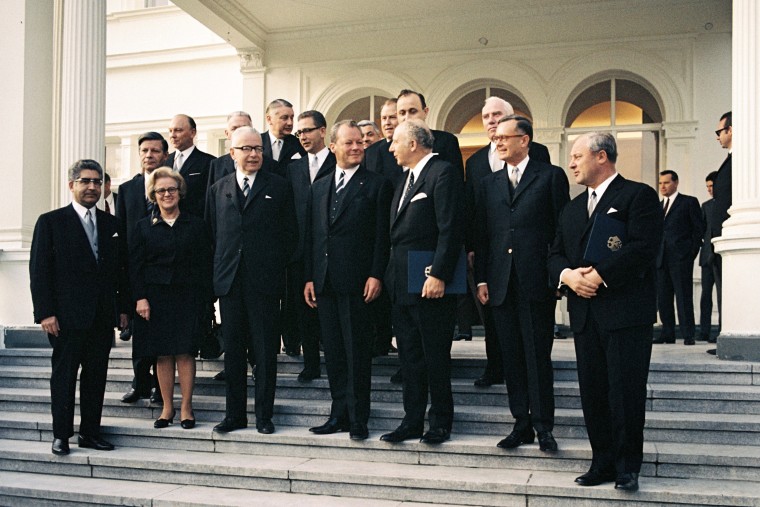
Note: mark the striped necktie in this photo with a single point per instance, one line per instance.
(341, 182)
(246, 187)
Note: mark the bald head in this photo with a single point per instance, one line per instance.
(494, 109)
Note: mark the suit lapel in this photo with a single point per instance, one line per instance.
(417, 185)
(259, 182)
(530, 174)
(189, 163)
(673, 205)
(504, 187)
(230, 191)
(603, 205)
(354, 186)
(327, 167)
(80, 237)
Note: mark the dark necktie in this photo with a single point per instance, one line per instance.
(341, 182)
(108, 208)
(246, 187)
(666, 207)
(408, 190)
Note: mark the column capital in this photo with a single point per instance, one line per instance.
(251, 60)
(549, 135)
(680, 129)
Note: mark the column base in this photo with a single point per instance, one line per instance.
(739, 348)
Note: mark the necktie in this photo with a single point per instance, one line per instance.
(246, 187)
(408, 190)
(108, 208)
(276, 149)
(178, 161)
(591, 203)
(314, 168)
(341, 182)
(666, 206)
(92, 234)
(513, 176)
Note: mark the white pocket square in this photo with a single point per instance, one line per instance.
(194, 174)
(419, 196)
(267, 197)
(611, 210)
(115, 235)
(295, 156)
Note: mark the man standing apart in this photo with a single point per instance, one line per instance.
(612, 307)
(190, 162)
(722, 194)
(515, 219)
(681, 238)
(706, 263)
(78, 282)
(347, 253)
(253, 229)
(426, 214)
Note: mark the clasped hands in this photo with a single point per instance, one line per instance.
(584, 281)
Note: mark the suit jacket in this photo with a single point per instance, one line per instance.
(355, 245)
(300, 182)
(261, 231)
(195, 171)
(433, 219)
(131, 205)
(372, 160)
(514, 229)
(478, 167)
(67, 281)
(682, 232)
(722, 196)
(290, 146)
(707, 254)
(629, 297)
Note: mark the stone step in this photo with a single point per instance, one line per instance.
(128, 474)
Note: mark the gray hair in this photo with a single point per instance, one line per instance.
(367, 123)
(336, 127)
(278, 103)
(602, 141)
(84, 164)
(418, 131)
(239, 113)
(508, 109)
(244, 130)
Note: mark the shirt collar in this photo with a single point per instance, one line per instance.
(321, 156)
(671, 197)
(421, 165)
(186, 153)
(239, 175)
(349, 173)
(601, 188)
(82, 211)
(521, 166)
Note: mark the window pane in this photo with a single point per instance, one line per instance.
(628, 114)
(638, 156)
(357, 110)
(594, 95)
(595, 116)
(634, 93)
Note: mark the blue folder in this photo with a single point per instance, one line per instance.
(607, 237)
(420, 261)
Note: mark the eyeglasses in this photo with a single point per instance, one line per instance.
(88, 181)
(249, 149)
(497, 139)
(306, 130)
(170, 191)
(717, 132)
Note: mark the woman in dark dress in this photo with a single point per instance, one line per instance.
(170, 271)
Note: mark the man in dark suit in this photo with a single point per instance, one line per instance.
(254, 233)
(374, 152)
(482, 163)
(370, 133)
(318, 163)
(190, 162)
(76, 268)
(706, 263)
(347, 253)
(612, 307)
(108, 203)
(722, 195)
(427, 214)
(515, 219)
(681, 239)
(279, 144)
(133, 205)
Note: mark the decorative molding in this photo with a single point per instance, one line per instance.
(251, 61)
(169, 56)
(550, 135)
(680, 129)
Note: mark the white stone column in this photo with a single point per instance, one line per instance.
(83, 85)
(740, 243)
(253, 71)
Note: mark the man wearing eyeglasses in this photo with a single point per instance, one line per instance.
(133, 205)
(254, 230)
(302, 174)
(190, 162)
(279, 143)
(516, 213)
(76, 269)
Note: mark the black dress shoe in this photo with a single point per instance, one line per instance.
(307, 375)
(595, 477)
(132, 396)
(662, 340)
(229, 424)
(462, 336)
(155, 397)
(627, 481)
(60, 447)
(265, 426)
(221, 376)
(126, 334)
(688, 341)
(487, 381)
(546, 441)
(516, 439)
(164, 423)
(559, 336)
(398, 377)
(332, 425)
(358, 431)
(435, 436)
(96, 443)
(401, 433)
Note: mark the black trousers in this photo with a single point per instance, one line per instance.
(494, 366)
(706, 301)
(613, 367)
(526, 333)
(381, 314)
(423, 335)
(143, 381)
(301, 320)
(347, 340)
(88, 348)
(250, 322)
(675, 279)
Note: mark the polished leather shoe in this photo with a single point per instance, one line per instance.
(164, 423)
(688, 341)
(60, 447)
(462, 337)
(96, 443)
(125, 334)
(435, 436)
(662, 340)
(307, 375)
(221, 376)
(546, 441)
(132, 396)
(401, 433)
(292, 352)
(187, 424)
(516, 439)
(265, 426)
(358, 431)
(595, 476)
(627, 481)
(332, 425)
(487, 381)
(155, 397)
(229, 424)
(398, 377)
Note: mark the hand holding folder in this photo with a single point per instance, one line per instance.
(418, 269)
